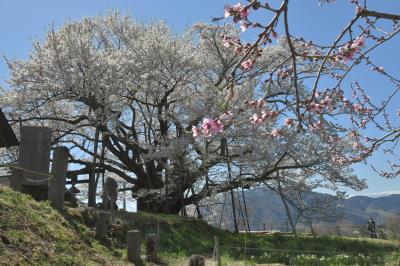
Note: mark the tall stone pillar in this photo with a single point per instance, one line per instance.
(34, 157)
(57, 182)
(110, 193)
(133, 245)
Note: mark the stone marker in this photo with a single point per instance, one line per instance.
(34, 155)
(57, 182)
(133, 245)
(197, 260)
(102, 225)
(151, 247)
(110, 193)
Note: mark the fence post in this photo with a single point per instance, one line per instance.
(124, 197)
(217, 253)
(92, 188)
(133, 246)
(102, 225)
(158, 227)
(245, 246)
(59, 168)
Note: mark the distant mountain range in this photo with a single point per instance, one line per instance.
(266, 210)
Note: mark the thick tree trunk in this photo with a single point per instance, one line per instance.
(168, 206)
(170, 201)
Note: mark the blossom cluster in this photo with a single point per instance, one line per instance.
(228, 41)
(259, 118)
(238, 11)
(348, 51)
(213, 126)
(319, 107)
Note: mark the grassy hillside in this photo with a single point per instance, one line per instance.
(32, 233)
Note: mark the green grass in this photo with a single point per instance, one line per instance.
(181, 238)
(32, 233)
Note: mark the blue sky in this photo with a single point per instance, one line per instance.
(22, 21)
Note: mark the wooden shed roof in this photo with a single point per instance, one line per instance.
(7, 136)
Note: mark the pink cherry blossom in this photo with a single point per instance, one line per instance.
(216, 126)
(238, 49)
(248, 64)
(256, 119)
(268, 114)
(276, 133)
(348, 51)
(357, 107)
(368, 111)
(316, 108)
(207, 127)
(328, 103)
(211, 126)
(260, 103)
(243, 12)
(196, 131)
(238, 12)
(357, 145)
(227, 41)
(274, 114)
(228, 11)
(288, 122)
(359, 43)
(244, 25)
(264, 115)
(346, 102)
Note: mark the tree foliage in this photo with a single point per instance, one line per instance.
(143, 89)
